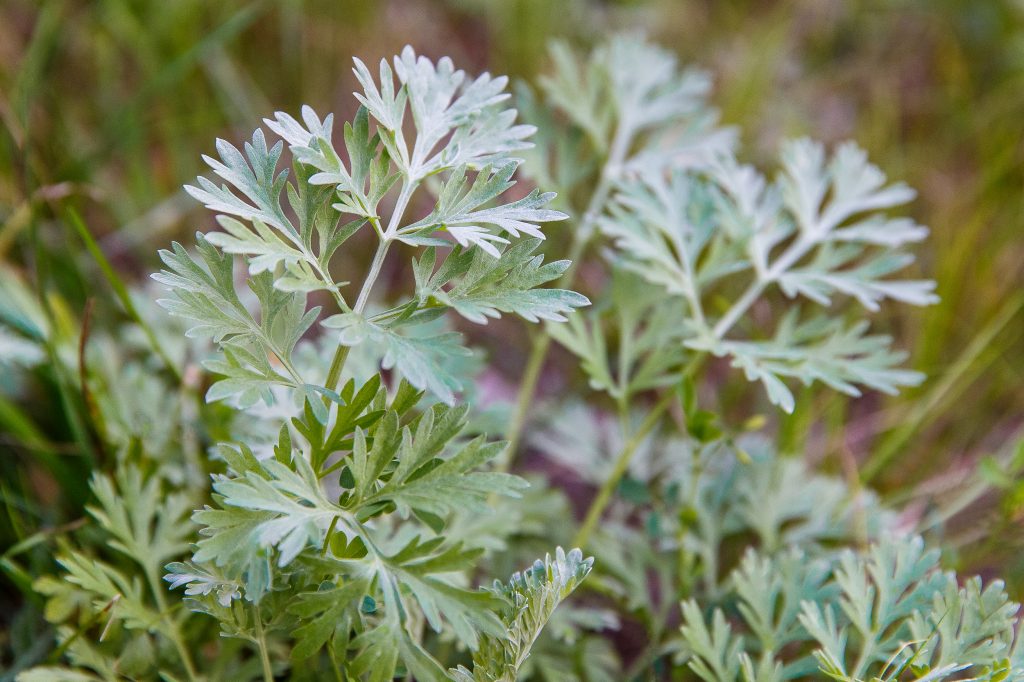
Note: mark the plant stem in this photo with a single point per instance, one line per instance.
(261, 644)
(581, 238)
(527, 388)
(604, 495)
(797, 250)
(334, 373)
(371, 276)
(341, 354)
(174, 632)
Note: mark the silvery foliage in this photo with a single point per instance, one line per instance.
(348, 538)
(694, 224)
(627, 109)
(887, 613)
(778, 572)
(464, 136)
(819, 233)
(686, 233)
(356, 575)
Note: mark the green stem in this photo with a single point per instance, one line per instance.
(797, 250)
(581, 238)
(604, 495)
(337, 364)
(341, 355)
(371, 276)
(527, 388)
(327, 537)
(174, 632)
(261, 645)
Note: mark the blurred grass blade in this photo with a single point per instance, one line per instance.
(120, 289)
(978, 355)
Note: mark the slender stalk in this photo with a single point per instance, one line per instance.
(341, 354)
(604, 495)
(327, 537)
(371, 276)
(797, 250)
(528, 386)
(581, 239)
(334, 373)
(261, 645)
(175, 633)
(732, 315)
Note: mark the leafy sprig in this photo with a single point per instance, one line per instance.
(816, 233)
(337, 540)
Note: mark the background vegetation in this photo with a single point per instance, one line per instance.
(106, 105)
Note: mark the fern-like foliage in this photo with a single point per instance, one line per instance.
(625, 110)
(324, 513)
(532, 597)
(329, 539)
(885, 614)
(401, 473)
(817, 233)
(464, 135)
(365, 565)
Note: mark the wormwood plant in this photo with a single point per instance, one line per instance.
(707, 258)
(354, 495)
(328, 547)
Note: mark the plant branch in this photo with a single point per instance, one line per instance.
(341, 355)
(797, 250)
(261, 644)
(604, 494)
(174, 633)
(581, 238)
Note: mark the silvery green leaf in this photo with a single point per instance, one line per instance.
(531, 597)
(421, 360)
(256, 353)
(200, 582)
(325, 613)
(648, 86)
(364, 182)
(647, 328)
(264, 247)
(443, 103)
(459, 210)
(386, 104)
(254, 175)
(478, 286)
(661, 227)
(967, 626)
(824, 276)
(879, 594)
(145, 522)
(633, 92)
(818, 349)
(715, 652)
(288, 510)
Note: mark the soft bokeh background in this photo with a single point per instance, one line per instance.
(106, 105)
